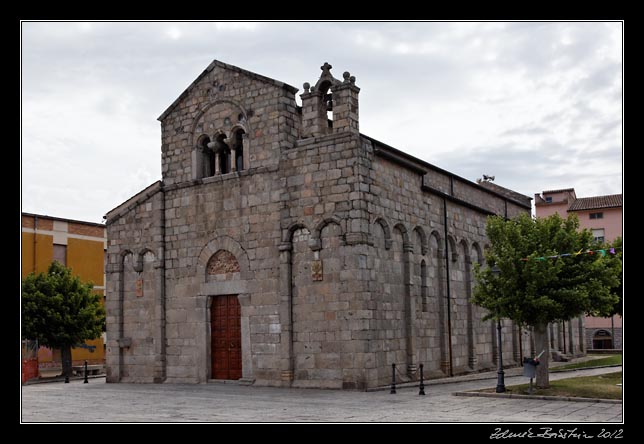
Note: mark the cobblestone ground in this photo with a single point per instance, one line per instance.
(217, 402)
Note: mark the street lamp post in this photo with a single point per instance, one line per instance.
(500, 382)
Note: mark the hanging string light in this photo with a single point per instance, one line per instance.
(601, 252)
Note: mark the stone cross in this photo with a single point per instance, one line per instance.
(326, 68)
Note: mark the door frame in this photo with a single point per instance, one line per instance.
(211, 334)
(244, 302)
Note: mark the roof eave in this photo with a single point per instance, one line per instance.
(423, 166)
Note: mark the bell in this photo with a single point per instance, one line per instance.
(328, 99)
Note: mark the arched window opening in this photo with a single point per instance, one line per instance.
(223, 151)
(207, 158)
(239, 149)
(602, 340)
(327, 101)
(423, 285)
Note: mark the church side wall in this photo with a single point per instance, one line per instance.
(416, 318)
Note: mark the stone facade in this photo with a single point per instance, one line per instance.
(346, 255)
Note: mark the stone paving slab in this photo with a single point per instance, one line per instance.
(101, 402)
(542, 397)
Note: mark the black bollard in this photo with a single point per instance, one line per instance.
(66, 379)
(85, 381)
(421, 387)
(393, 379)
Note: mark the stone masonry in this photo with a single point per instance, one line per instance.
(345, 254)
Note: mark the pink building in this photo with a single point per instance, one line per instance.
(603, 216)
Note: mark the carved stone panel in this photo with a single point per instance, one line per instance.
(222, 262)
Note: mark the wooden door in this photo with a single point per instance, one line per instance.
(225, 327)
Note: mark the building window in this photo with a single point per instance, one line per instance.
(220, 154)
(239, 150)
(205, 164)
(596, 215)
(60, 254)
(549, 199)
(223, 151)
(424, 291)
(598, 234)
(602, 340)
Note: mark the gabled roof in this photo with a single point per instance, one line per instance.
(64, 219)
(137, 199)
(596, 202)
(223, 65)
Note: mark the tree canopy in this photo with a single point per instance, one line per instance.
(549, 271)
(618, 290)
(536, 285)
(59, 310)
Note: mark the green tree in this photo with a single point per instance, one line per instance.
(617, 290)
(533, 288)
(60, 311)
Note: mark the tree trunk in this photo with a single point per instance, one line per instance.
(542, 343)
(66, 357)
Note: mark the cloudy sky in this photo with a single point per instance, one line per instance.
(538, 105)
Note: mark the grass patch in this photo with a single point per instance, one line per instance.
(601, 386)
(606, 360)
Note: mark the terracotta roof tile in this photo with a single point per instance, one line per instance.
(591, 203)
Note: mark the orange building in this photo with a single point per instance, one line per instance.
(78, 245)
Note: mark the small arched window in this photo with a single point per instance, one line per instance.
(205, 163)
(239, 149)
(224, 154)
(424, 296)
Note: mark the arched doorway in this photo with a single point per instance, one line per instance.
(225, 319)
(602, 340)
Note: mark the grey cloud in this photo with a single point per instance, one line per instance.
(552, 118)
(132, 71)
(539, 47)
(604, 129)
(525, 130)
(601, 78)
(547, 165)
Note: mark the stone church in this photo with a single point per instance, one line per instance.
(283, 247)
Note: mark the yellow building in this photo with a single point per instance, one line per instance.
(81, 247)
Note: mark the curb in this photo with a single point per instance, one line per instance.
(542, 397)
(511, 371)
(60, 379)
(583, 368)
(441, 381)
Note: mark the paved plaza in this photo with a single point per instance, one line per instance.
(219, 402)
